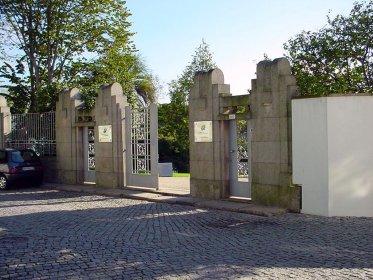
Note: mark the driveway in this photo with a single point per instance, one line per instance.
(48, 234)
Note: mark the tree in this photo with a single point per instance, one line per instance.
(56, 41)
(202, 60)
(138, 84)
(337, 58)
(18, 91)
(173, 117)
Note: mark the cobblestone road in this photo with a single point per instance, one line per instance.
(48, 234)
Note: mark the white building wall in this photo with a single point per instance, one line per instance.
(310, 153)
(350, 122)
(333, 139)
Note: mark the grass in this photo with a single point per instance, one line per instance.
(175, 174)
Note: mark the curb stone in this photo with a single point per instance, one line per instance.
(152, 196)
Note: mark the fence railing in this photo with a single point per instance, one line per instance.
(33, 131)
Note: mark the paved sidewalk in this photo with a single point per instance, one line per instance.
(148, 195)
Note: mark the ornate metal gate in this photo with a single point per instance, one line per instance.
(142, 146)
(33, 131)
(240, 158)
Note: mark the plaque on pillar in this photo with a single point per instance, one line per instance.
(104, 134)
(203, 131)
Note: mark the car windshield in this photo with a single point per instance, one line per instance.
(22, 156)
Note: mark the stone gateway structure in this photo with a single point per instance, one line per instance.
(267, 113)
(240, 146)
(98, 146)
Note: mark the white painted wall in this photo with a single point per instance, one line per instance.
(333, 154)
(310, 153)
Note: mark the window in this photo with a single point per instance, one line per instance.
(17, 157)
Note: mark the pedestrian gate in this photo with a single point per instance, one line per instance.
(240, 158)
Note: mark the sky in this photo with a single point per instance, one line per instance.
(239, 33)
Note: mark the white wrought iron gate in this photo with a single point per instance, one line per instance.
(240, 173)
(142, 146)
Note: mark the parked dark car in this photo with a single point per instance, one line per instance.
(18, 166)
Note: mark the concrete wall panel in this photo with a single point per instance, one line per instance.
(333, 154)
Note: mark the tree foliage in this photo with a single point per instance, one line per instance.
(173, 117)
(337, 58)
(57, 41)
(138, 84)
(202, 60)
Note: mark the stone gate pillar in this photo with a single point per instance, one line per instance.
(208, 137)
(5, 120)
(110, 136)
(68, 139)
(270, 103)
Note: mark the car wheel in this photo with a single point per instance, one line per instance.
(3, 182)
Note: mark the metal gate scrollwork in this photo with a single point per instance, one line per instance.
(140, 141)
(91, 149)
(242, 161)
(242, 149)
